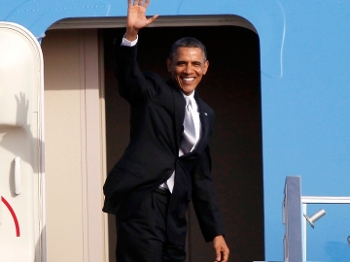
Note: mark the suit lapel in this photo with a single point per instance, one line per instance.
(205, 122)
(179, 112)
(205, 130)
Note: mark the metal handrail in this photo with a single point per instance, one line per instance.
(292, 220)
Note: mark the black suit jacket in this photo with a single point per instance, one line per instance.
(156, 126)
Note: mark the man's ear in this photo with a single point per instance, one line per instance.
(168, 64)
(206, 65)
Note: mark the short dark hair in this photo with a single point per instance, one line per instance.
(187, 42)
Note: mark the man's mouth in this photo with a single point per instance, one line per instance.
(188, 79)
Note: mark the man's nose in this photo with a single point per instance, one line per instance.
(188, 69)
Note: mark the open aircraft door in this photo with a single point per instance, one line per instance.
(22, 218)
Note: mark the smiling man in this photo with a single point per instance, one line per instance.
(187, 64)
(167, 161)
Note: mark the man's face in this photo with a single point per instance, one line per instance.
(187, 68)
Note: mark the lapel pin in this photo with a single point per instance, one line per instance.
(205, 113)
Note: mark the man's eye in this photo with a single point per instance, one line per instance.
(196, 64)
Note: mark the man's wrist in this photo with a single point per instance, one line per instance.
(131, 34)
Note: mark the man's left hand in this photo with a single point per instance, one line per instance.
(221, 249)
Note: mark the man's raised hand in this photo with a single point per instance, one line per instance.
(137, 18)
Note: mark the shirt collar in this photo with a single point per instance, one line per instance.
(191, 96)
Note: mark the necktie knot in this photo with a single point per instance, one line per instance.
(189, 102)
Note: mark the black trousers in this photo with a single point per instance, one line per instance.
(142, 237)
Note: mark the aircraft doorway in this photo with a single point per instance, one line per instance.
(232, 89)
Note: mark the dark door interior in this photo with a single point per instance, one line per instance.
(232, 89)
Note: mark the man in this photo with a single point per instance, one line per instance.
(167, 162)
